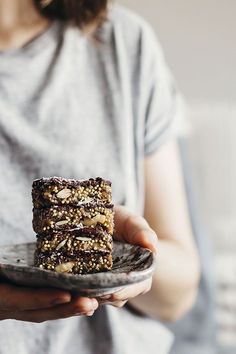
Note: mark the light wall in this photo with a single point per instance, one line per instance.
(199, 40)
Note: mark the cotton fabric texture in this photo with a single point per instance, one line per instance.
(79, 107)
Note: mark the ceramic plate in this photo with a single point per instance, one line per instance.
(132, 264)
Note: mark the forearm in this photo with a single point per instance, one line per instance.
(175, 283)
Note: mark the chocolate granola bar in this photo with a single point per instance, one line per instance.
(74, 224)
(73, 241)
(78, 264)
(69, 217)
(61, 191)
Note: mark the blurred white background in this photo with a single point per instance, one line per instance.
(198, 37)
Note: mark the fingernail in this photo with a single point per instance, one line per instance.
(80, 314)
(105, 297)
(61, 300)
(90, 313)
(155, 250)
(94, 304)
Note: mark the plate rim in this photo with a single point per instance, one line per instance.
(124, 278)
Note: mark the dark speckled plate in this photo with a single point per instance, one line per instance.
(132, 264)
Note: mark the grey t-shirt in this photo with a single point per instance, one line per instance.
(79, 106)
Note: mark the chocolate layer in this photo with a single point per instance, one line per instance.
(73, 241)
(60, 191)
(68, 217)
(82, 263)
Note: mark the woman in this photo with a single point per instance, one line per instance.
(84, 91)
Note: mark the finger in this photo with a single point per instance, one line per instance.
(118, 304)
(21, 298)
(120, 218)
(132, 291)
(134, 229)
(78, 307)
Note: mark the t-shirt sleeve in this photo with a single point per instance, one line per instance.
(163, 105)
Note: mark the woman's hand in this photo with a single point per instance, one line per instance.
(135, 230)
(39, 305)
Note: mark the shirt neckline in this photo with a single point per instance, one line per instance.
(37, 43)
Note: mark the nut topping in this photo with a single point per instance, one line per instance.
(64, 267)
(82, 238)
(97, 218)
(62, 222)
(64, 193)
(61, 244)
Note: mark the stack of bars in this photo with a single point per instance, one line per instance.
(73, 221)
